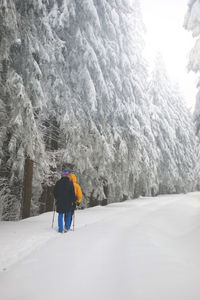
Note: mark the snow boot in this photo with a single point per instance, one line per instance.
(65, 229)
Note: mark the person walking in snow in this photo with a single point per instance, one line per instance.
(78, 192)
(65, 200)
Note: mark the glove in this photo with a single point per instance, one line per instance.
(77, 203)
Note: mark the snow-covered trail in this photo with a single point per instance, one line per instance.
(140, 249)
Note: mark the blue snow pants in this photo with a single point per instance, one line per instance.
(67, 221)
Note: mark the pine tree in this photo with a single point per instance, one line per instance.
(192, 23)
(74, 95)
(174, 133)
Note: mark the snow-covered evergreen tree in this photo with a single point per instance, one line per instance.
(192, 23)
(173, 130)
(74, 95)
(20, 138)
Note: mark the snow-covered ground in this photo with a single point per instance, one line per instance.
(141, 249)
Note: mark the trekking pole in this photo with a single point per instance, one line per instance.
(74, 220)
(53, 213)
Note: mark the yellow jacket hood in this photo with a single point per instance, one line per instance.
(73, 178)
(77, 188)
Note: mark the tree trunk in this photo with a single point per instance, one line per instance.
(50, 198)
(47, 198)
(42, 201)
(27, 188)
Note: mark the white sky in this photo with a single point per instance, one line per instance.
(165, 33)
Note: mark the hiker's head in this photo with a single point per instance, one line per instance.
(65, 173)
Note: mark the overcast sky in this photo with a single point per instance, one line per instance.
(165, 33)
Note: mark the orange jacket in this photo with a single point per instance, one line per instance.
(77, 187)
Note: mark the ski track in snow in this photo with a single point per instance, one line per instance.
(144, 249)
